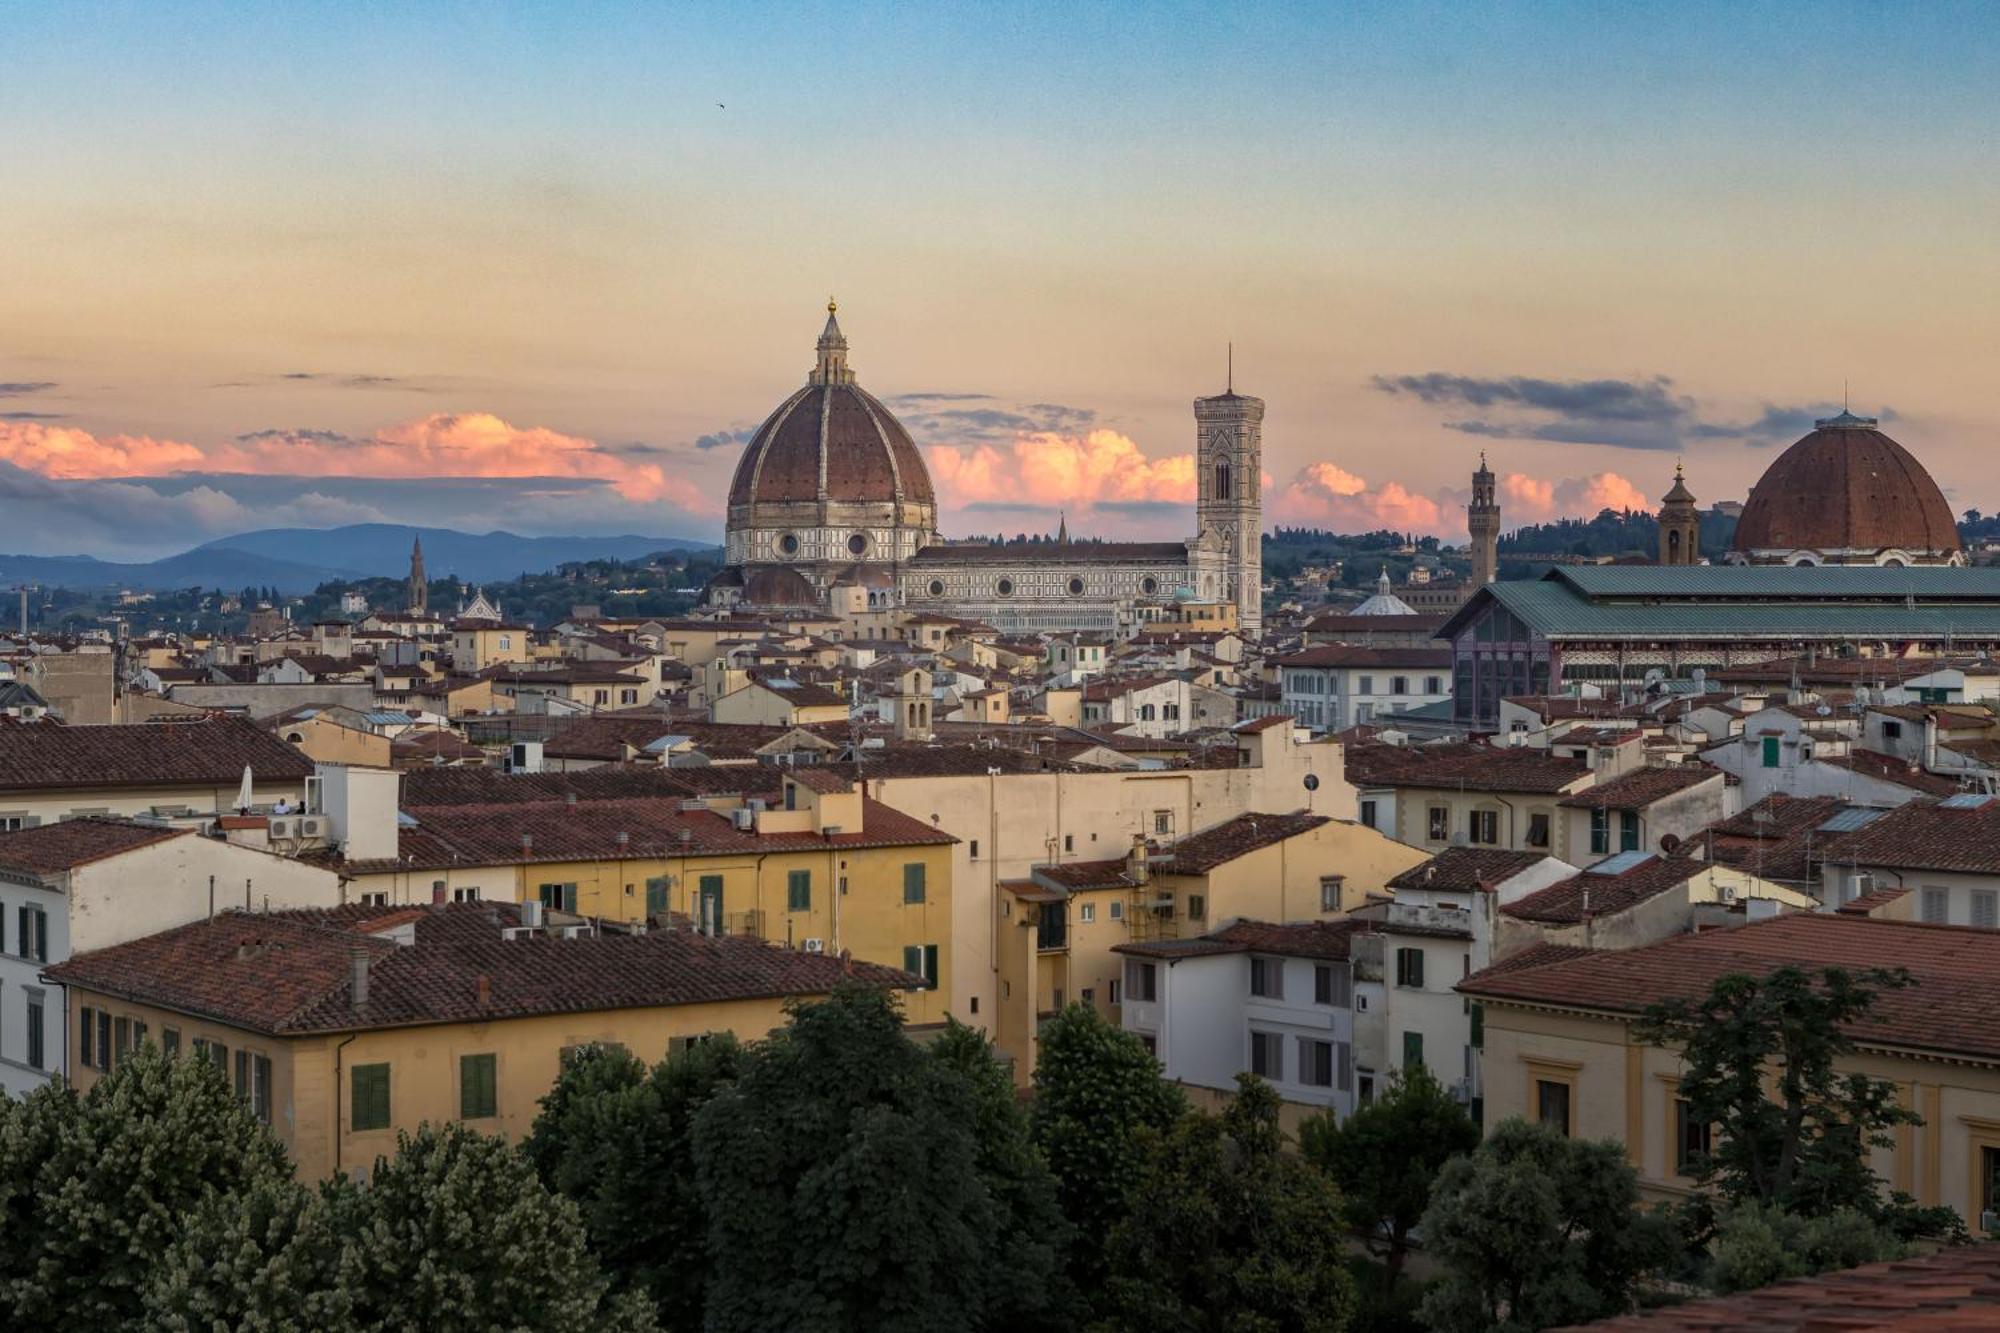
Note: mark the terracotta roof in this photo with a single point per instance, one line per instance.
(1952, 1291)
(1868, 763)
(589, 830)
(1351, 655)
(1083, 876)
(1566, 901)
(1466, 869)
(831, 442)
(209, 752)
(1870, 903)
(1470, 766)
(1638, 789)
(1846, 486)
(1306, 939)
(820, 780)
(1949, 1010)
(288, 973)
(1961, 834)
(490, 786)
(1536, 955)
(51, 848)
(1199, 853)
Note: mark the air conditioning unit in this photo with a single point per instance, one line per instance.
(815, 945)
(743, 819)
(575, 932)
(312, 827)
(283, 828)
(1727, 893)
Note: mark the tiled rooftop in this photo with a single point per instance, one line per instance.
(1199, 853)
(1567, 901)
(1466, 869)
(1466, 766)
(211, 752)
(52, 848)
(1641, 787)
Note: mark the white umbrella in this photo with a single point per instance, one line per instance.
(243, 799)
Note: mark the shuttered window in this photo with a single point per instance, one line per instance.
(370, 1106)
(799, 891)
(913, 882)
(478, 1087)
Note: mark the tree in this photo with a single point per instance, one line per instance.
(1805, 1149)
(842, 1184)
(1534, 1230)
(1757, 1244)
(265, 1261)
(1096, 1090)
(619, 1143)
(1226, 1231)
(455, 1233)
(1034, 1235)
(1385, 1156)
(94, 1186)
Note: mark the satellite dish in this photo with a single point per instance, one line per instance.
(1669, 843)
(1312, 782)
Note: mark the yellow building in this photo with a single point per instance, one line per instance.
(778, 701)
(820, 869)
(1285, 868)
(342, 1028)
(1559, 1047)
(324, 739)
(478, 644)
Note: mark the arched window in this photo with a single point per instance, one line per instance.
(1222, 481)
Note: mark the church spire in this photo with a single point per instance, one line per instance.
(1062, 527)
(831, 367)
(420, 597)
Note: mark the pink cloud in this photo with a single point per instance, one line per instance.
(461, 444)
(1527, 495)
(1049, 469)
(1584, 496)
(69, 454)
(1327, 495)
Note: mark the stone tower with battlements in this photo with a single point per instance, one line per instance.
(1229, 468)
(1482, 520)
(1680, 525)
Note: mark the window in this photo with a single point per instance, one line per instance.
(1985, 908)
(922, 959)
(1552, 1104)
(1141, 980)
(470, 895)
(1163, 823)
(1413, 1050)
(1433, 684)
(121, 1039)
(1069, 842)
(1117, 910)
(478, 1087)
(799, 891)
(1267, 1055)
(1770, 752)
(1267, 978)
(379, 898)
(1691, 1139)
(1329, 892)
(1989, 1179)
(1086, 913)
(1399, 684)
(559, 897)
(1483, 826)
(1197, 907)
(170, 1041)
(1628, 830)
(1936, 904)
(913, 882)
(600, 697)
(1222, 481)
(975, 849)
(86, 1039)
(656, 896)
(1600, 832)
(1410, 968)
(1440, 823)
(628, 696)
(1332, 984)
(34, 1030)
(370, 1106)
(1114, 990)
(1368, 813)
(1891, 730)
(1538, 829)
(1366, 685)
(1315, 1063)
(33, 941)
(260, 1087)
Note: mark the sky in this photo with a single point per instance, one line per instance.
(263, 263)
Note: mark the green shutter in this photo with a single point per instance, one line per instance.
(1413, 1049)
(478, 1086)
(799, 891)
(260, 1099)
(370, 1097)
(1478, 1026)
(1770, 752)
(243, 1076)
(913, 958)
(85, 1052)
(913, 882)
(656, 897)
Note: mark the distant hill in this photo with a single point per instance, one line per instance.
(296, 560)
(383, 549)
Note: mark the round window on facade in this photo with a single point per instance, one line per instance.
(788, 544)
(937, 587)
(1149, 585)
(1005, 587)
(1076, 587)
(858, 544)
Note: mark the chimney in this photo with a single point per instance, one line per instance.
(485, 991)
(624, 841)
(357, 974)
(527, 844)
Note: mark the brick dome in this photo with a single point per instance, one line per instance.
(832, 440)
(1846, 494)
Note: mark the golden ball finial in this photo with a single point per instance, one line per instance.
(831, 305)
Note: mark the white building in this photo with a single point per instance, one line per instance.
(1275, 1001)
(1336, 686)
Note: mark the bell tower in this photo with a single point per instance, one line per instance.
(1229, 471)
(1680, 525)
(1482, 520)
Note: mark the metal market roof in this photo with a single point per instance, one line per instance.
(1746, 602)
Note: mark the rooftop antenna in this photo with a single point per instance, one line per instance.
(1232, 368)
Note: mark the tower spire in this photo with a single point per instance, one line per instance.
(1062, 527)
(831, 367)
(1230, 382)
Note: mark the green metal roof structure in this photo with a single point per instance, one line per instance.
(1750, 603)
